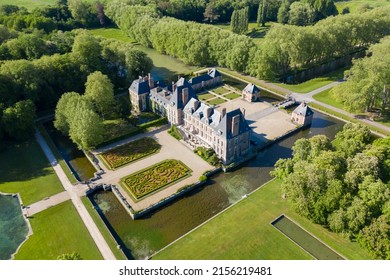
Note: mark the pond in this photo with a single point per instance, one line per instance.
(144, 236)
(166, 68)
(13, 226)
(76, 159)
(305, 240)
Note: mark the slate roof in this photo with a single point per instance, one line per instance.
(140, 86)
(213, 73)
(303, 110)
(224, 128)
(177, 98)
(199, 110)
(251, 88)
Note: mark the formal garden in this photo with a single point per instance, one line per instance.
(219, 95)
(153, 178)
(130, 152)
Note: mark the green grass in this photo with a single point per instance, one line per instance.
(24, 169)
(244, 232)
(220, 90)
(216, 101)
(119, 255)
(326, 97)
(347, 118)
(72, 179)
(155, 177)
(32, 4)
(114, 129)
(232, 96)
(112, 33)
(315, 83)
(355, 6)
(58, 230)
(130, 152)
(205, 96)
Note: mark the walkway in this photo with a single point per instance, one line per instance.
(47, 202)
(74, 193)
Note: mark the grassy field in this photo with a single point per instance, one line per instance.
(130, 152)
(205, 96)
(58, 230)
(347, 118)
(315, 83)
(326, 97)
(232, 95)
(216, 101)
(220, 90)
(103, 229)
(244, 232)
(111, 33)
(25, 170)
(357, 6)
(31, 4)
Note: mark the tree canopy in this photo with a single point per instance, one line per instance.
(342, 187)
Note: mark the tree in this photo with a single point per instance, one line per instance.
(352, 139)
(18, 120)
(261, 12)
(301, 14)
(87, 50)
(211, 13)
(376, 238)
(137, 63)
(64, 111)
(86, 129)
(100, 91)
(239, 21)
(283, 12)
(72, 256)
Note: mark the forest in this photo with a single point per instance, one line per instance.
(343, 185)
(38, 66)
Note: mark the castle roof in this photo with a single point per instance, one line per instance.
(177, 96)
(140, 86)
(213, 73)
(303, 110)
(225, 126)
(251, 88)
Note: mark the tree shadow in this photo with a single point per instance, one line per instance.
(22, 161)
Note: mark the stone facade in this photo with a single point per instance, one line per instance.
(227, 133)
(302, 115)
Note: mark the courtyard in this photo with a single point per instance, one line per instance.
(171, 149)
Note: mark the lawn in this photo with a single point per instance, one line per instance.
(315, 83)
(25, 170)
(205, 96)
(220, 90)
(347, 118)
(232, 95)
(112, 33)
(244, 232)
(119, 255)
(326, 97)
(114, 129)
(130, 152)
(216, 101)
(355, 6)
(58, 230)
(157, 176)
(31, 4)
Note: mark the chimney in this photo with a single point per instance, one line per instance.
(235, 125)
(243, 111)
(150, 81)
(208, 112)
(173, 86)
(184, 96)
(223, 113)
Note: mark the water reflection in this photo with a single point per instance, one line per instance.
(156, 230)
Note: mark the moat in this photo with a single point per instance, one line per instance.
(140, 238)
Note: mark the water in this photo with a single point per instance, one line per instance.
(79, 164)
(144, 236)
(13, 227)
(309, 243)
(166, 67)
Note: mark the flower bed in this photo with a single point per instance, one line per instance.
(130, 152)
(155, 177)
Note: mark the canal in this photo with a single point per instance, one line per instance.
(140, 238)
